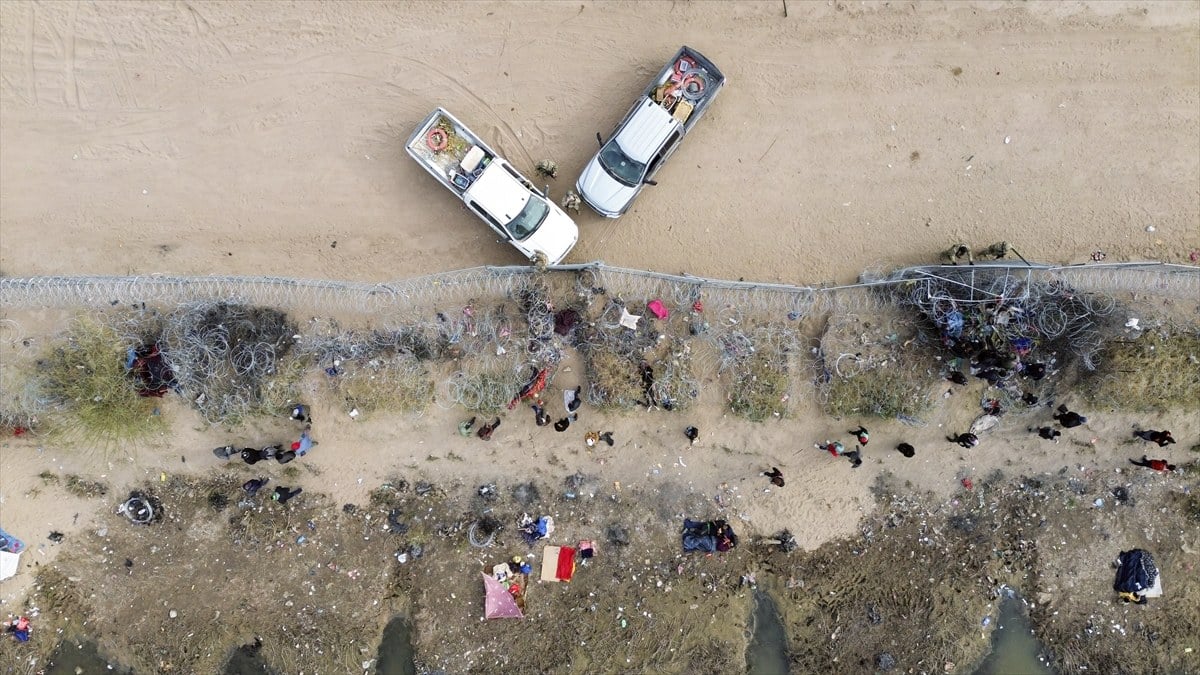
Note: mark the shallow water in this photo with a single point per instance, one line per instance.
(72, 654)
(767, 654)
(395, 655)
(1014, 648)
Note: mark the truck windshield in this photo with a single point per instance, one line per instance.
(620, 166)
(529, 219)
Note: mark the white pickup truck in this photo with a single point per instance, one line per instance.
(491, 188)
(650, 132)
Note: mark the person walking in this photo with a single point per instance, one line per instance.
(1048, 433)
(855, 457)
(775, 475)
(861, 434)
(906, 450)
(283, 494)
(302, 446)
(1156, 464)
(967, 440)
(1069, 419)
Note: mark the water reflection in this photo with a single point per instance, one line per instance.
(768, 643)
(1014, 648)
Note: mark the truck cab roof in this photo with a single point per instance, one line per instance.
(499, 193)
(646, 130)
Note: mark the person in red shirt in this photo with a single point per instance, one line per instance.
(1156, 464)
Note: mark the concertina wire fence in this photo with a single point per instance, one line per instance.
(418, 294)
(1069, 303)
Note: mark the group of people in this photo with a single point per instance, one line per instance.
(572, 400)
(299, 413)
(708, 535)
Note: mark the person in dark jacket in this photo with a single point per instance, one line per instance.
(1069, 419)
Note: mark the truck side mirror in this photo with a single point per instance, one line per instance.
(599, 139)
(650, 182)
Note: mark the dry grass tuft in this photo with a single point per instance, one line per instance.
(1154, 372)
(614, 380)
(398, 384)
(84, 374)
(82, 487)
(761, 392)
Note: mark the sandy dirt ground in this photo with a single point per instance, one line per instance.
(208, 138)
(267, 139)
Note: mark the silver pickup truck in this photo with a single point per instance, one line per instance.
(651, 130)
(492, 189)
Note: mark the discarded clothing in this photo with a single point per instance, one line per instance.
(565, 320)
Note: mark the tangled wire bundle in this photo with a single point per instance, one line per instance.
(877, 365)
(223, 353)
(756, 364)
(1011, 312)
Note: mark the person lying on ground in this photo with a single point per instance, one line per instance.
(906, 449)
(775, 475)
(253, 485)
(485, 431)
(1163, 438)
(1156, 464)
(283, 494)
(540, 416)
(957, 377)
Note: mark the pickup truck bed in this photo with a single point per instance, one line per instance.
(686, 86)
(443, 145)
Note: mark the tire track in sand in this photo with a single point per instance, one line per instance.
(503, 125)
(72, 88)
(29, 63)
